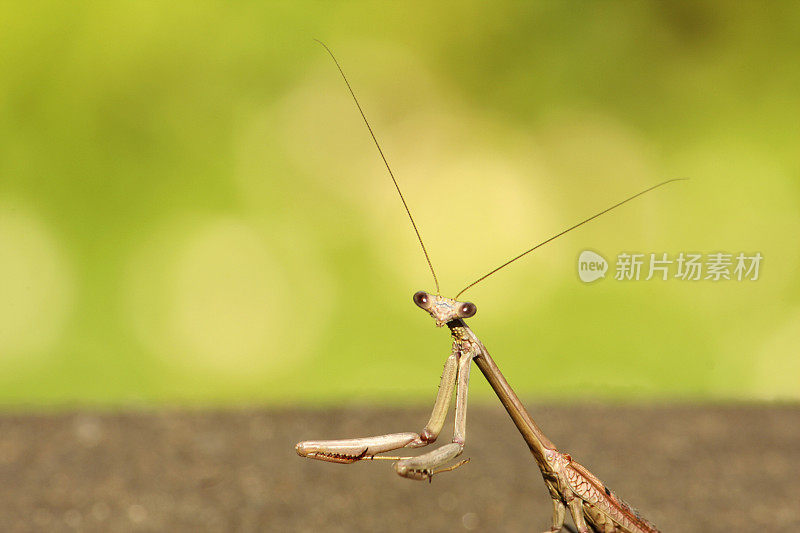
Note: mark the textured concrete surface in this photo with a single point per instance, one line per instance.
(686, 468)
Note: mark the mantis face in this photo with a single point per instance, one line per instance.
(442, 309)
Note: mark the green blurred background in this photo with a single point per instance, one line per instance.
(192, 213)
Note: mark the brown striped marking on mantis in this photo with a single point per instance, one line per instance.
(592, 505)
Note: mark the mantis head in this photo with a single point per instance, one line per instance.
(442, 309)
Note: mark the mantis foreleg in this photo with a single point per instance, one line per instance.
(351, 450)
(426, 465)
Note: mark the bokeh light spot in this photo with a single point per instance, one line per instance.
(211, 295)
(777, 372)
(35, 287)
(224, 298)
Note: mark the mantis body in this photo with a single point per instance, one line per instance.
(592, 505)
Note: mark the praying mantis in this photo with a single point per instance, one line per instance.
(593, 507)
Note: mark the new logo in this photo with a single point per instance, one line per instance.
(591, 266)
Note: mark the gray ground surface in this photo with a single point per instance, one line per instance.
(686, 468)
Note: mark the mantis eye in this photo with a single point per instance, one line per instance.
(421, 298)
(468, 309)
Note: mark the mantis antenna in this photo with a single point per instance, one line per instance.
(411, 218)
(581, 223)
(385, 162)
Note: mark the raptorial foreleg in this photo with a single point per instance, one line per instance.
(426, 465)
(365, 448)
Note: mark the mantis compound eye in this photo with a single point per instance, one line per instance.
(468, 309)
(421, 299)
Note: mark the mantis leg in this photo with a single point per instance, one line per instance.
(426, 465)
(352, 450)
(559, 513)
(576, 510)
